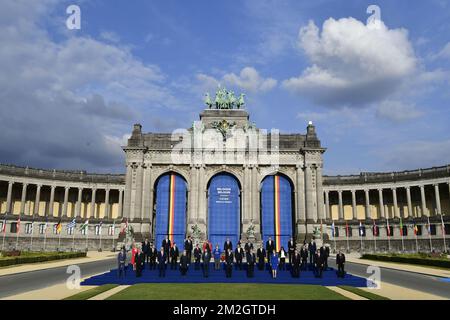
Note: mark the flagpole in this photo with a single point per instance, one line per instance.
(113, 231)
(100, 231)
(375, 235)
(4, 235)
(429, 234)
(401, 233)
(32, 231)
(346, 234)
(443, 232)
(17, 238)
(73, 237)
(87, 238)
(360, 237)
(417, 242)
(59, 241)
(388, 234)
(45, 236)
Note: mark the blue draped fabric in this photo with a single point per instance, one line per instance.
(223, 209)
(268, 209)
(162, 209)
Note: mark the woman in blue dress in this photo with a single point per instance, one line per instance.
(274, 264)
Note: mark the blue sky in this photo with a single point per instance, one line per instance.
(379, 98)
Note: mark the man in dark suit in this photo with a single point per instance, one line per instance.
(153, 253)
(174, 253)
(188, 247)
(161, 260)
(327, 255)
(312, 248)
(121, 259)
(340, 261)
(197, 256)
(227, 245)
(229, 263)
(206, 258)
(167, 245)
(139, 260)
(261, 254)
(251, 259)
(239, 255)
(304, 257)
(291, 248)
(184, 263)
(146, 252)
(318, 264)
(295, 264)
(248, 246)
(270, 246)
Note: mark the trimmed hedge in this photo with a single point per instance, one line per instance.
(39, 257)
(434, 262)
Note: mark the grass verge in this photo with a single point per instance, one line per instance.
(36, 257)
(363, 293)
(223, 291)
(85, 295)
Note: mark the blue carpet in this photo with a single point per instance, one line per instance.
(329, 277)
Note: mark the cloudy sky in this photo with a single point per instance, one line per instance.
(377, 93)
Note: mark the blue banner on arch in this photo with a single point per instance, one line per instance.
(223, 209)
(269, 209)
(170, 198)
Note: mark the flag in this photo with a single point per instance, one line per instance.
(346, 228)
(125, 226)
(45, 227)
(401, 227)
(333, 230)
(71, 224)
(442, 225)
(361, 229)
(4, 225)
(375, 228)
(113, 228)
(84, 225)
(416, 228)
(100, 227)
(388, 228)
(429, 226)
(58, 227)
(18, 225)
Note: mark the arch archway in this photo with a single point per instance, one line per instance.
(277, 209)
(170, 208)
(224, 208)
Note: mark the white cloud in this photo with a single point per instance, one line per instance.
(352, 64)
(248, 79)
(68, 103)
(110, 36)
(397, 111)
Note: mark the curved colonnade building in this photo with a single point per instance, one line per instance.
(225, 178)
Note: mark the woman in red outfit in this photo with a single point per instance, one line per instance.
(133, 254)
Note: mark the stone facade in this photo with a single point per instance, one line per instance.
(225, 141)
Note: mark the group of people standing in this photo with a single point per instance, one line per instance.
(169, 255)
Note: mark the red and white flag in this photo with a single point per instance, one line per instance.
(4, 226)
(18, 225)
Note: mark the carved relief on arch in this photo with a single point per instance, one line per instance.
(268, 171)
(212, 171)
(158, 171)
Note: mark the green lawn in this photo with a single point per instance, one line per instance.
(363, 293)
(91, 292)
(222, 291)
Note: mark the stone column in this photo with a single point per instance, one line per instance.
(341, 207)
(9, 197)
(423, 202)
(301, 210)
(92, 215)
(107, 209)
(438, 198)
(327, 204)
(310, 216)
(78, 206)
(381, 203)
(193, 188)
(355, 213)
(138, 193)
(37, 200)
(202, 195)
(408, 200)
(366, 194)
(66, 201)
(23, 198)
(147, 195)
(394, 196)
(254, 214)
(120, 213)
(319, 193)
(52, 201)
(127, 193)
